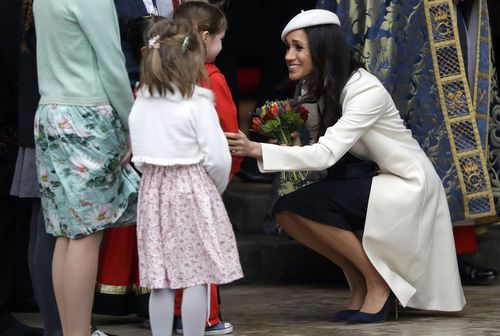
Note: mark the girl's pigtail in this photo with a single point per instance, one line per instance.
(155, 63)
(156, 66)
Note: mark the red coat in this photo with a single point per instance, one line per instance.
(226, 109)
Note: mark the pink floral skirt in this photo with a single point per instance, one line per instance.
(184, 234)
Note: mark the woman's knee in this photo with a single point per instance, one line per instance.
(284, 219)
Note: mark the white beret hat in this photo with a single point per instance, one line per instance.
(308, 18)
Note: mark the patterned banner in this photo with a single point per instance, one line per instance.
(458, 105)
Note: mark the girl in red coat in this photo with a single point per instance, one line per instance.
(211, 23)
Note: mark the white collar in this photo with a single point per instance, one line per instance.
(176, 95)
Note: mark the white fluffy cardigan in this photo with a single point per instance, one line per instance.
(172, 130)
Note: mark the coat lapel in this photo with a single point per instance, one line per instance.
(140, 6)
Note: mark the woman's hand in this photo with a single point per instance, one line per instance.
(296, 139)
(239, 145)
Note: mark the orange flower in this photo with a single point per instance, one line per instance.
(273, 110)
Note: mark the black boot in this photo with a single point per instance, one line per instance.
(473, 275)
(10, 326)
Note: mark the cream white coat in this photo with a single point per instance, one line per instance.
(408, 234)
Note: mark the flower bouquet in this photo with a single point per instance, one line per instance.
(279, 120)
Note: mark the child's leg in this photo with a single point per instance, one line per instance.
(214, 313)
(194, 310)
(214, 308)
(161, 311)
(79, 277)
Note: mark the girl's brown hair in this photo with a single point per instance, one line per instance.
(203, 16)
(174, 58)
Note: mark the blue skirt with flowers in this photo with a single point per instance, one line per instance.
(83, 188)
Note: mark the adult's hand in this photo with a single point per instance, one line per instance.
(240, 145)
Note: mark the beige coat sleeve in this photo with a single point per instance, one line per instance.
(364, 101)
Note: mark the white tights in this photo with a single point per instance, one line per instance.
(194, 310)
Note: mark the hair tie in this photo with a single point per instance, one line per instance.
(196, 27)
(153, 42)
(185, 44)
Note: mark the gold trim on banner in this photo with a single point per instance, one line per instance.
(470, 163)
(478, 52)
(480, 39)
(120, 290)
(487, 76)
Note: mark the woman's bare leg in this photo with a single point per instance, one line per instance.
(78, 279)
(348, 245)
(292, 225)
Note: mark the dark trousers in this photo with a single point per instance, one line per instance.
(41, 250)
(15, 283)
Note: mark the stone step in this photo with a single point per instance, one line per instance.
(279, 259)
(246, 204)
(270, 258)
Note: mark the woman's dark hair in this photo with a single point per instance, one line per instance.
(133, 30)
(333, 64)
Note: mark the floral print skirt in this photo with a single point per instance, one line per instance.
(184, 235)
(83, 188)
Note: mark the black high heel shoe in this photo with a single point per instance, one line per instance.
(381, 316)
(343, 315)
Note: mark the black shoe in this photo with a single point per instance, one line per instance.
(221, 328)
(22, 330)
(343, 315)
(380, 316)
(474, 276)
(10, 326)
(24, 306)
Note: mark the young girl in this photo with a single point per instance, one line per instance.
(211, 24)
(185, 239)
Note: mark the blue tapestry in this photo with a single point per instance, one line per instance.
(414, 48)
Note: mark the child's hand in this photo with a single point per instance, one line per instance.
(128, 154)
